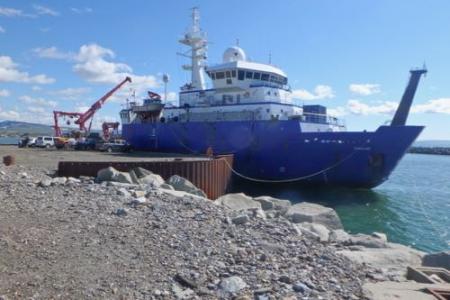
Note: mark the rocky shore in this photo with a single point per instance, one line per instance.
(135, 236)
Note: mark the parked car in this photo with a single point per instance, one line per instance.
(27, 142)
(115, 146)
(45, 141)
(31, 142)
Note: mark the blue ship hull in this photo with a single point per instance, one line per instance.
(279, 152)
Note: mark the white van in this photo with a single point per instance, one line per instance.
(45, 141)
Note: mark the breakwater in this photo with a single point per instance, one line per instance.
(430, 150)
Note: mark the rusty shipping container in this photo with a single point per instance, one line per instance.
(212, 175)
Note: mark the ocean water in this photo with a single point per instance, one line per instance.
(412, 207)
(8, 140)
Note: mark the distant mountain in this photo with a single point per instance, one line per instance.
(432, 143)
(16, 128)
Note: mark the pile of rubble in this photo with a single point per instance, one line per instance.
(135, 235)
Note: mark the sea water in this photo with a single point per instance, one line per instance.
(412, 207)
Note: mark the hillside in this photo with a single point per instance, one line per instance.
(15, 128)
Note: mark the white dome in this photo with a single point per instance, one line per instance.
(234, 54)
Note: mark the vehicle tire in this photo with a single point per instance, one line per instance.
(109, 150)
(48, 146)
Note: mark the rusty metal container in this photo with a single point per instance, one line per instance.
(212, 175)
(9, 160)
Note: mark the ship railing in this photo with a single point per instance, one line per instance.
(321, 119)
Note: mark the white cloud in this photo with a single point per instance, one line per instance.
(364, 89)
(36, 88)
(10, 73)
(43, 10)
(9, 115)
(85, 10)
(11, 12)
(320, 92)
(94, 64)
(441, 105)
(2, 30)
(4, 93)
(337, 111)
(52, 52)
(71, 93)
(357, 107)
(38, 101)
(35, 109)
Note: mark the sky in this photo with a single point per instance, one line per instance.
(352, 56)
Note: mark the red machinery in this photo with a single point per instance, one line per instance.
(106, 126)
(82, 118)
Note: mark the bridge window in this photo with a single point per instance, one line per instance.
(213, 76)
(241, 75)
(220, 75)
(265, 77)
(233, 73)
(228, 73)
(249, 75)
(257, 75)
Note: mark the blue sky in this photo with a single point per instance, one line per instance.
(352, 56)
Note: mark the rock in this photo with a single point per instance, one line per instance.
(237, 202)
(438, 260)
(399, 290)
(269, 203)
(232, 284)
(121, 212)
(111, 174)
(45, 182)
(23, 175)
(241, 219)
(314, 213)
(119, 184)
(182, 293)
(367, 241)
(141, 172)
(167, 186)
(59, 180)
(381, 236)
(123, 192)
(138, 194)
(285, 279)
(300, 287)
(339, 236)
(182, 184)
(72, 180)
(318, 231)
(152, 179)
(185, 281)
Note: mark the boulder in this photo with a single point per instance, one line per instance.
(152, 179)
(232, 284)
(339, 236)
(123, 192)
(438, 260)
(59, 180)
(111, 174)
(381, 236)
(167, 186)
(182, 184)
(367, 241)
(270, 203)
(314, 213)
(45, 182)
(238, 202)
(318, 231)
(240, 219)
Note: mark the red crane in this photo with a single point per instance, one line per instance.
(82, 118)
(106, 126)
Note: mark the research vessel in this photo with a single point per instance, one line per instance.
(249, 112)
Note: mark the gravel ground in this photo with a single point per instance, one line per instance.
(84, 240)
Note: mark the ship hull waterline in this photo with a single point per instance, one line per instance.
(278, 152)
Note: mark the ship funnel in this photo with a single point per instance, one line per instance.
(405, 104)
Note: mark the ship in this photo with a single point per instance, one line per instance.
(249, 112)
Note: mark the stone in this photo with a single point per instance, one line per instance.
(238, 201)
(141, 172)
(314, 213)
(318, 231)
(437, 260)
(123, 192)
(381, 236)
(240, 219)
(45, 182)
(339, 236)
(269, 203)
(185, 281)
(167, 186)
(388, 290)
(300, 287)
(73, 180)
(138, 194)
(59, 180)
(152, 179)
(285, 279)
(367, 241)
(121, 212)
(111, 174)
(232, 284)
(182, 184)
(181, 293)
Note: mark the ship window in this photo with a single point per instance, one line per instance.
(265, 77)
(220, 75)
(273, 78)
(213, 76)
(233, 73)
(238, 98)
(249, 75)
(284, 80)
(241, 75)
(257, 75)
(228, 73)
(229, 81)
